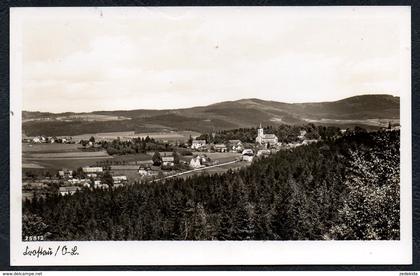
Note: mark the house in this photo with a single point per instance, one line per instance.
(91, 175)
(220, 148)
(92, 169)
(236, 145)
(144, 171)
(97, 184)
(265, 138)
(247, 155)
(101, 186)
(124, 168)
(168, 161)
(195, 162)
(70, 190)
(119, 179)
(198, 144)
(65, 173)
(75, 181)
(263, 153)
(302, 134)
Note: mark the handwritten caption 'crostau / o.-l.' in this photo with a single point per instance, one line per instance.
(60, 250)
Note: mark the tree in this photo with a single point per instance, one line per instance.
(157, 159)
(107, 179)
(84, 143)
(34, 225)
(176, 157)
(371, 207)
(190, 141)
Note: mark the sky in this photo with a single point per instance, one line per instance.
(91, 59)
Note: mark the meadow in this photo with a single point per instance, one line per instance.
(57, 156)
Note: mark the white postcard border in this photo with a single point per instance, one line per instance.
(106, 253)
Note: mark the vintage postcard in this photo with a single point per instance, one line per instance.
(210, 135)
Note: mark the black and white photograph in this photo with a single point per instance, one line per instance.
(270, 126)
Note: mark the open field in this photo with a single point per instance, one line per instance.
(56, 164)
(125, 135)
(67, 155)
(222, 157)
(222, 168)
(49, 148)
(57, 156)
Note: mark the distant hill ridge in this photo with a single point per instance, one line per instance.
(370, 110)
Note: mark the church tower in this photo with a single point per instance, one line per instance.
(260, 135)
(260, 131)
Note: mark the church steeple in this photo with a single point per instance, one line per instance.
(260, 131)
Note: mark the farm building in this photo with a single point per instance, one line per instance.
(263, 153)
(168, 161)
(144, 171)
(302, 134)
(124, 168)
(68, 190)
(266, 138)
(65, 173)
(220, 148)
(92, 169)
(91, 175)
(236, 145)
(119, 179)
(197, 144)
(248, 155)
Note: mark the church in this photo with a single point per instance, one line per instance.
(266, 138)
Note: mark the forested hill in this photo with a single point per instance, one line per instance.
(338, 189)
(364, 110)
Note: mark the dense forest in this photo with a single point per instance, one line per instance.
(135, 145)
(345, 188)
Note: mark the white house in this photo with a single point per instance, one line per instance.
(91, 175)
(197, 144)
(92, 169)
(68, 190)
(144, 171)
(236, 145)
(247, 155)
(119, 178)
(196, 162)
(302, 134)
(64, 173)
(265, 152)
(168, 161)
(220, 148)
(266, 138)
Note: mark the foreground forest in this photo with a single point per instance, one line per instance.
(345, 188)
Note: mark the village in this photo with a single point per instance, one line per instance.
(199, 157)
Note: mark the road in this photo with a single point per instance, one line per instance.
(195, 170)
